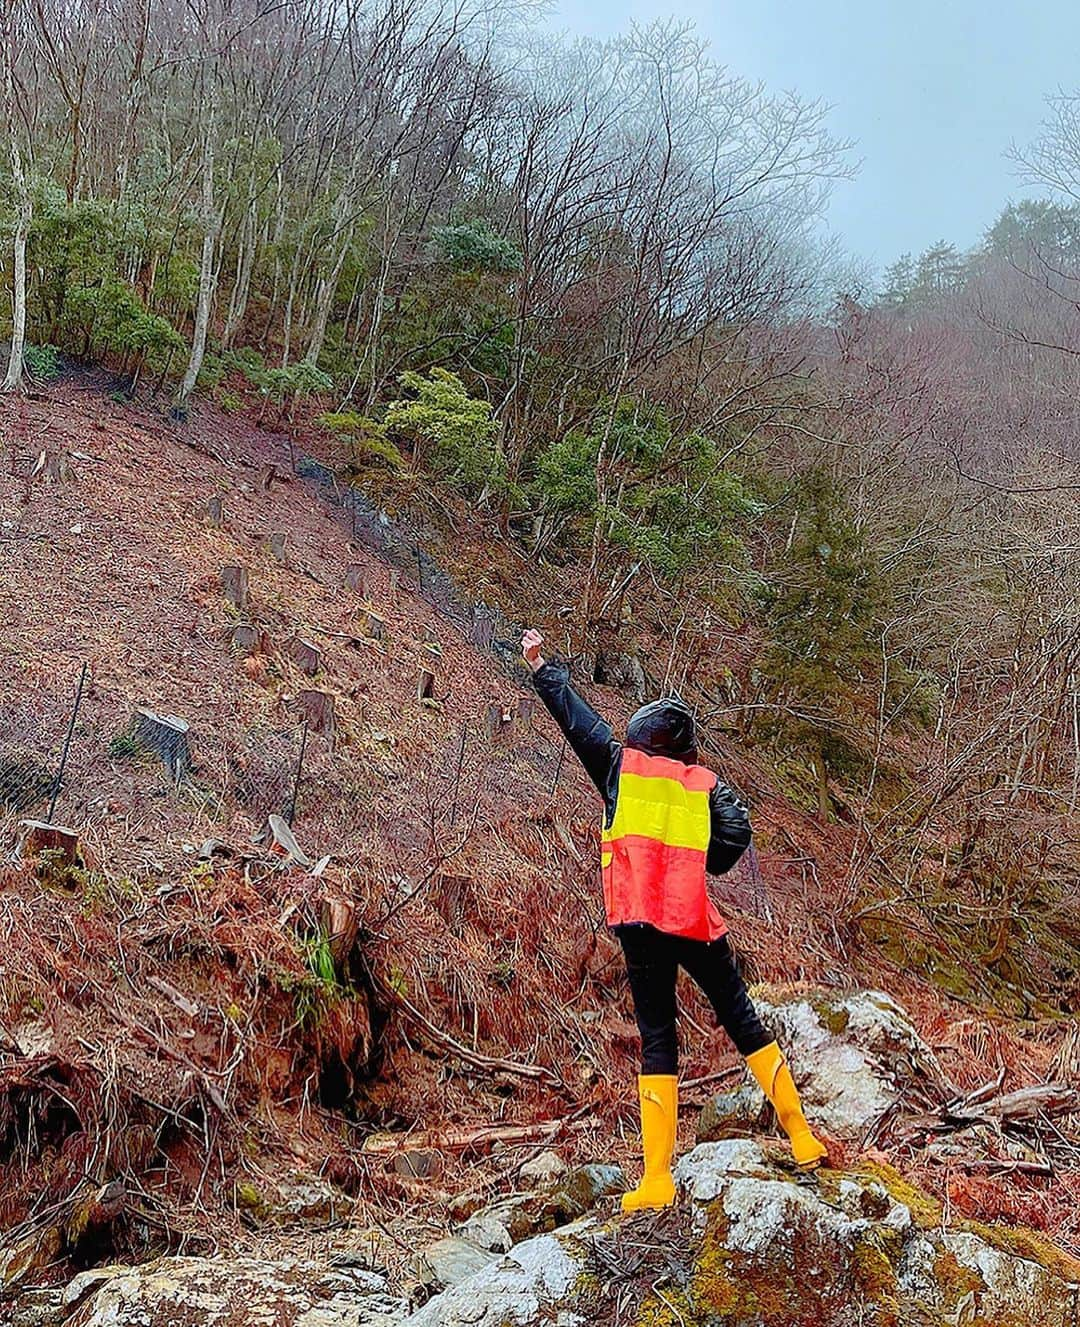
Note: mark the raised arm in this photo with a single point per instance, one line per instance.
(730, 825)
(591, 738)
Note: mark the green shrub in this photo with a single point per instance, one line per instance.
(229, 402)
(365, 438)
(474, 245)
(458, 427)
(42, 362)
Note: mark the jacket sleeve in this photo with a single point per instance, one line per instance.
(730, 830)
(591, 738)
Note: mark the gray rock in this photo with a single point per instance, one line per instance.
(541, 1281)
(37, 1307)
(851, 1056)
(579, 1192)
(88, 1283)
(733, 1114)
(543, 1170)
(843, 1249)
(450, 1261)
(502, 1224)
(488, 1230)
(241, 1292)
(311, 1199)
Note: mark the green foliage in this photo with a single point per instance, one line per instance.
(822, 660)
(365, 438)
(42, 362)
(670, 502)
(295, 380)
(475, 246)
(229, 402)
(319, 989)
(458, 428)
(211, 372)
(912, 284)
(123, 746)
(1035, 224)
(111, 317)
(248, 362)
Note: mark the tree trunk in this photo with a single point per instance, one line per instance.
(207, 273)
(13, 378)
(324, 301)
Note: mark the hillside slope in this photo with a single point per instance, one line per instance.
(206, 1024)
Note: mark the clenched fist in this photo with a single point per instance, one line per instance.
(530, 648)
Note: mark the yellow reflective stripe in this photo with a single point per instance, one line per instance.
(662, 809)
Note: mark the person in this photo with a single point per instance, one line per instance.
(668, 821)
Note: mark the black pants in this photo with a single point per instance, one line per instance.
(653, 960)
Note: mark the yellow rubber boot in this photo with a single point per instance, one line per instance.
(659, 1097)
(774, 1078)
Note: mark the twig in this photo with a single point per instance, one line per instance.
(494, 1064)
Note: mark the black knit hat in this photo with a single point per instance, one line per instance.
(664, 728)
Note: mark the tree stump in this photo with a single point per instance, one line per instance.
(316, 709)
(372, 625)
(356, 579)
(53, 467)
(395, 580)
(215, 512)
(305, 655)
(496, 720)
(38, 837)
(234, 582)
(249, 639)
(167, 737)
(483, 631)
(526, 710)
(277, 546)
(270, 474)
(425, 688)
(339, 921)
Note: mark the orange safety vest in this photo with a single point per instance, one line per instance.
(653, 854)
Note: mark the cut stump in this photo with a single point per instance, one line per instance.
(234, 582)
(167, 737)
(305, 655)
(249, 639)
(278, 541)
(483, 631)
(316, 709)
(38, 837)
(356, 579)
(372, 625)
(215, 513)
(425, 687)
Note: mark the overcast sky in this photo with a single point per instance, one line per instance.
(933, 92)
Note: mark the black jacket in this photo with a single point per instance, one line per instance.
(593, 742)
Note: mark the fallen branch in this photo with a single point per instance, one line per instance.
(720, 1076)
(459, 1140)
(494, 1064)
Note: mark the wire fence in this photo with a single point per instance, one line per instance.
(490, 630)
(136, 781)
(143, 788)
(140, 785)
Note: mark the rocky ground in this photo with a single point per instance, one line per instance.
(751, 1242)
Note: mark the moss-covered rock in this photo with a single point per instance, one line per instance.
(852, 1056)
(864, 1246)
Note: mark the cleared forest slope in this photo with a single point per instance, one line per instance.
(183, 1008)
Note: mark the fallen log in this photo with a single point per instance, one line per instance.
(460, 1140)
